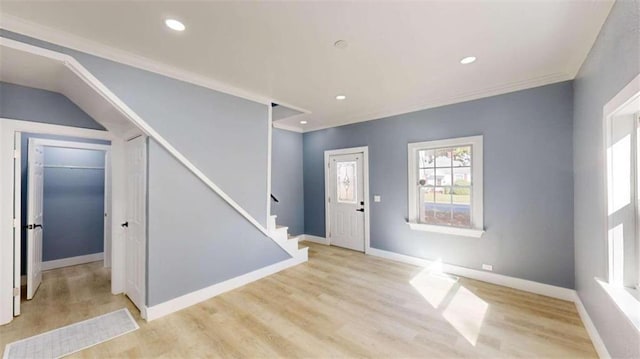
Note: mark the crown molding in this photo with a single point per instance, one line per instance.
(74, 42)
(439, 102)
(282, 126)
(65, 39)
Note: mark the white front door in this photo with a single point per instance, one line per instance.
(135, 225)
(34, 217)
(346, 201)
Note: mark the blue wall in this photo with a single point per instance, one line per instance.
(73, 203)
(613, 62)
(35, 105)
(287, 180)
(63, 236)
(226, 137)
(528, 181)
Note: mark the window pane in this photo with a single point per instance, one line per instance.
(442, 215)
(427, 177)
(426, 158)
(443, 177)
(461, 216)
(426, 203)
(461, 195)
(443, 157)
(462, 176)
(461, 156)
(346, 181)
(443, 194)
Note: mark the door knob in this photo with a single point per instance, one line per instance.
(360, 210)
(125, 224)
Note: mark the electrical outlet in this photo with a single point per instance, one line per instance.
(488, 267)
(376, 198)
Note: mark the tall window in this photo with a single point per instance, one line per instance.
(445, 186)
(623, 187)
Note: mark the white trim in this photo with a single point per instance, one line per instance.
(365, 169)
(107, 180)
(626, 96)
(118, 104)
(74, 42)
(465, 232)
(448, 100)
(8, 129)
(499, 279)
(315, 239)
(269, 161)
(627, 303)
(187, 300)
(282, 126)
(17, 234)
(62, 38)
(597, 341)
(65, 39)
(72, 261)
(477, 201)
(72, 144)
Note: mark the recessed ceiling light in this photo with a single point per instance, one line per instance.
(174, 24)
(341, 44)
(468, 60)
(341, 97)
(303, 122)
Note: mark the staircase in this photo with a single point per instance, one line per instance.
(280, 235)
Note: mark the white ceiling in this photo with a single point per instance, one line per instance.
(401, 56)
(27, 68)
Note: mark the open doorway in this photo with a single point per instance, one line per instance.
(64, 207)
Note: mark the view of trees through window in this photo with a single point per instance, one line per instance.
(444, 186)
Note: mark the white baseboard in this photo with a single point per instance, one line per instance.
(187, 300)
(314, 239)
(72, 261)
(511, 282)
(597, 341)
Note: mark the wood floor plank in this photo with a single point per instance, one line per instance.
(340, 304)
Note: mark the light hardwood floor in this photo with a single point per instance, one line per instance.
(339, 304)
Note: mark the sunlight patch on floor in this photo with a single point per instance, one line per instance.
(434, 287)
(464, 310)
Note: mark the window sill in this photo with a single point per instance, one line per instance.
(628, 304)
(466, 232)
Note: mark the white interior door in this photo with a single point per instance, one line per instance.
(34, 217)
(17, 232)
(135, 226)
(346, 201)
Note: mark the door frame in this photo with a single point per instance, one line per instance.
(45, 142)
(364, 150)
(8, 129)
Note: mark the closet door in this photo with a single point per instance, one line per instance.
(34, 217)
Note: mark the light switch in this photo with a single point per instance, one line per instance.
(376, 198)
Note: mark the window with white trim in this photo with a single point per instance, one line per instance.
(445, 186)
(623, 201)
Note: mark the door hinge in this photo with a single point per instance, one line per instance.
(328, 199)
(16, 154)
(15, 222)
(16, 292)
